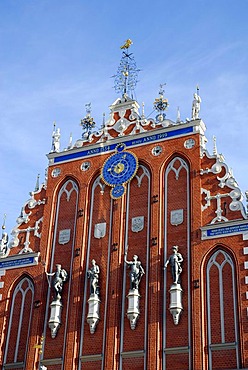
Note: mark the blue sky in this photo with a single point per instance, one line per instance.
(56, 56)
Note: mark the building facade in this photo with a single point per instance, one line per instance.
(131, 255)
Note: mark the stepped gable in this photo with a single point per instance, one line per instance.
(221, 195)
(26, 234)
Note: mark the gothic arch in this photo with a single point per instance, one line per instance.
(177, 231)
(19, 322)
(222, 331)
(62, 251)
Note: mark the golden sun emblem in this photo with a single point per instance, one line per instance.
(119, 168)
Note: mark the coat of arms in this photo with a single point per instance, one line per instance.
(137, 224)
(64, 236)
(176, 217)
(100, 230)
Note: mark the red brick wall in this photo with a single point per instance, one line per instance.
(98, 249)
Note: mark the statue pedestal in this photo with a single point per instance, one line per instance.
(93, 313)
(55, 317)
(176, 302)
(133, 311)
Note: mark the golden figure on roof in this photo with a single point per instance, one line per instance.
(127, 44)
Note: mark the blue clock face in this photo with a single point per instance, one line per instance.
(119, 168)
(117, 191)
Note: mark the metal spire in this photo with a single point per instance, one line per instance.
(127, 73)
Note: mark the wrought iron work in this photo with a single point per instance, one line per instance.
(126, 77)
(161, 104)
(87, 122)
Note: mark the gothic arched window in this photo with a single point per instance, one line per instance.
(222, 324)
(19, 323)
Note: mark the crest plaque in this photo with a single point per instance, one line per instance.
(64, 236)
(100, 230)
(137, 224)
(176, 217)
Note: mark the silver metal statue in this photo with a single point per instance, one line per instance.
(4, 244)
(175, 261)
(136, 272)
(93, 275)
(60, 276)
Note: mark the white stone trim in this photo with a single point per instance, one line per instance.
(223, 346)
(52, 361)
(14, 365)
(175, 350)
(135, 138)
(18, 257)
(229, 226)
(133, 354)
(2, 273)
(90, 358)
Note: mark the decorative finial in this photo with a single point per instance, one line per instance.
(103, 120)
(70, 142)
(127, 73)
(4, 240)
(161, 90)
(37, 186)
(88, 109)
(4, 219)
(161, 104)
(178, 115)
(143, 111)
(88, 122)
(46, 175)
(215, 151)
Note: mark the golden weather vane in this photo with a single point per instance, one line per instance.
(127, 44)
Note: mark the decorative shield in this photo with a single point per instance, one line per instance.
(100, 230)
(176, 217)
(137, 224)
(64, 236)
